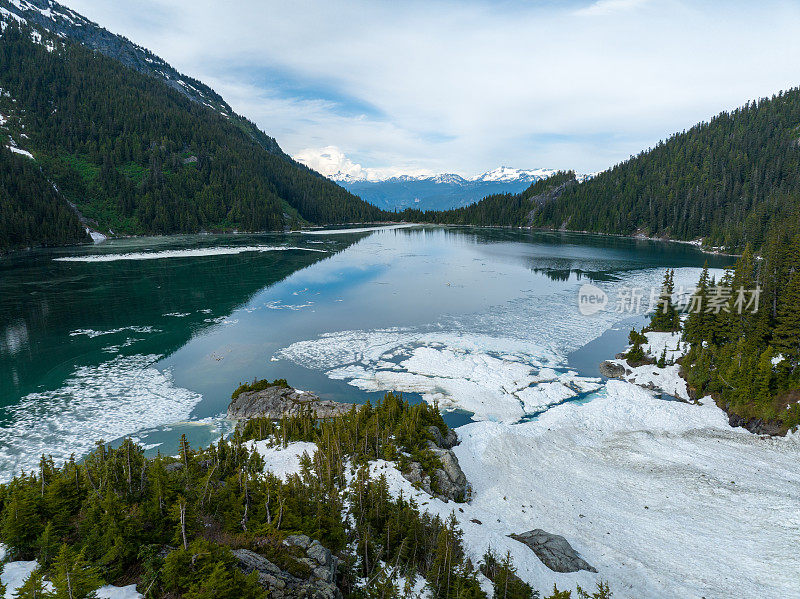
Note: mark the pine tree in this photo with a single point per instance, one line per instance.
(73, 577)
(21, 524)
(507, 585)
(559, 594)
(662, 360)
(763, 378)
(786, 334)
(48, 546)
(665, 317)
(33, 587)
(696, 328)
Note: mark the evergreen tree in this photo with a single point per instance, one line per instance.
(665, 317)
(33, 587)
(787, 325)
(48, 546)
(21, 523)
(697, 322)
(74, 577)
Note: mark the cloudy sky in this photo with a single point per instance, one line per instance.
(438, 86)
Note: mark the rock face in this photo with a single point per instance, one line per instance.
(450, 482)
(612, 370)
(275, 402)
(554, 551)
(320, 584)
(756, 426)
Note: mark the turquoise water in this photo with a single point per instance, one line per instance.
(148, 337)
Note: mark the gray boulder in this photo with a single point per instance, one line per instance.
(269, 575)
(553, 550)
(276, 402)
(612, 370)
(301, 541)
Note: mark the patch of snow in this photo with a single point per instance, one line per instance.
(283, 461)
(661, 497)
(15, 574)
(666, 379)
(5, 13)
(96, 236)
(20, 151)
(111, 592)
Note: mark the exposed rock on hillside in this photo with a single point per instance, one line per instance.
(554, 551)
(320, 563)
(275, 402)
(449, 482)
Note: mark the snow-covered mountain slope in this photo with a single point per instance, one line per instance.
(438, 192)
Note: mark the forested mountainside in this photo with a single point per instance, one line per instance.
(511, 210)
(725, 181)
(30, 208)
(136, 156)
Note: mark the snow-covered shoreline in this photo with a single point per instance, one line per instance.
(664, 498)
(666, 379)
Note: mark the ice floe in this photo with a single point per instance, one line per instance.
(92, 333)
(104, 401)
(187, 253)
(357, 229)
(493, 363)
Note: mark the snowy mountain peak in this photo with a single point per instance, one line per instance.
(505, 173)
(500, 174)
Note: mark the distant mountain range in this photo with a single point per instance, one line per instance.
(440, 192)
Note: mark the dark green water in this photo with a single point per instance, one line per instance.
(148, 347)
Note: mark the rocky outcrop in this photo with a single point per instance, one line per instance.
(275, 402)
(553, 550)
(319, 562)
(448, 483)
(446, 441)
(612, 370)
(757, 426)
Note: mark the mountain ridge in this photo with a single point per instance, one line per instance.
(66, 23)
(443, 191)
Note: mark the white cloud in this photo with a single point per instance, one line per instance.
(606, 7)
(332, 162)
(462, 87)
